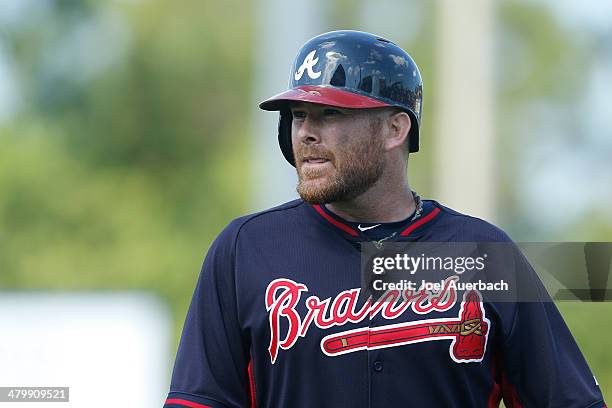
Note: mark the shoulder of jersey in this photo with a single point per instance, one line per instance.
(282, 213)
(472, 228)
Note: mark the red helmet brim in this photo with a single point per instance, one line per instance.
(322, 95)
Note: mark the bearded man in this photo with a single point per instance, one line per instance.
(279, 317)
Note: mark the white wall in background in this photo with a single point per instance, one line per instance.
(110, 348)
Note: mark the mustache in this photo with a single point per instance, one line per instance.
(312, 151)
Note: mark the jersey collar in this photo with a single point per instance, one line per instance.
(409, 231)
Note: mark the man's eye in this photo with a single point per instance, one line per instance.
(331, 112)
(298, 114)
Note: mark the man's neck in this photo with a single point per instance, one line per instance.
(376, 205)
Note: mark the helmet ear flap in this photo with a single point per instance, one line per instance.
(284, 135)
(413, 134)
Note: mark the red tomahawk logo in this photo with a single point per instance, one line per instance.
(468, 333)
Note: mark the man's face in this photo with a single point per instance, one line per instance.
(338, 152)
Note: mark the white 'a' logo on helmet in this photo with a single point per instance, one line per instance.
(307, 65)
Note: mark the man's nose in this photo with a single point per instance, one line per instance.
(308, 131)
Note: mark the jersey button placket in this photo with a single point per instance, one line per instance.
(371, 359)
(376, 365)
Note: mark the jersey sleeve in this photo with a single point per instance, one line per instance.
(542, 364)
(211, 367)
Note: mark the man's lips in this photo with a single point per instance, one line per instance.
(314, 160)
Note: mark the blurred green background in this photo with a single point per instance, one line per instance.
(126, 127)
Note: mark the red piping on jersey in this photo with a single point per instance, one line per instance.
(337, 223)
(495, 396)
(420, 222)
(496, 392)
(502, 389)
(511, 399)
(186, 403)
(252, 384)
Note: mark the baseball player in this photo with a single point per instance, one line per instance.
(278, 318)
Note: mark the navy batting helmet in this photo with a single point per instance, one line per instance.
(350, 69)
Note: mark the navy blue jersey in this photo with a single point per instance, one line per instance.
(276, 320)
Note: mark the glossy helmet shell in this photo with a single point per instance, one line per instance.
(350, 69)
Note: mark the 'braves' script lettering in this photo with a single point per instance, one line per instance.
(282, 296)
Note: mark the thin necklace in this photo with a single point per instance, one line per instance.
(379, 244)
(419, 205)
(417, 213)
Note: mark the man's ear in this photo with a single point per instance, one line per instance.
(398, 124)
